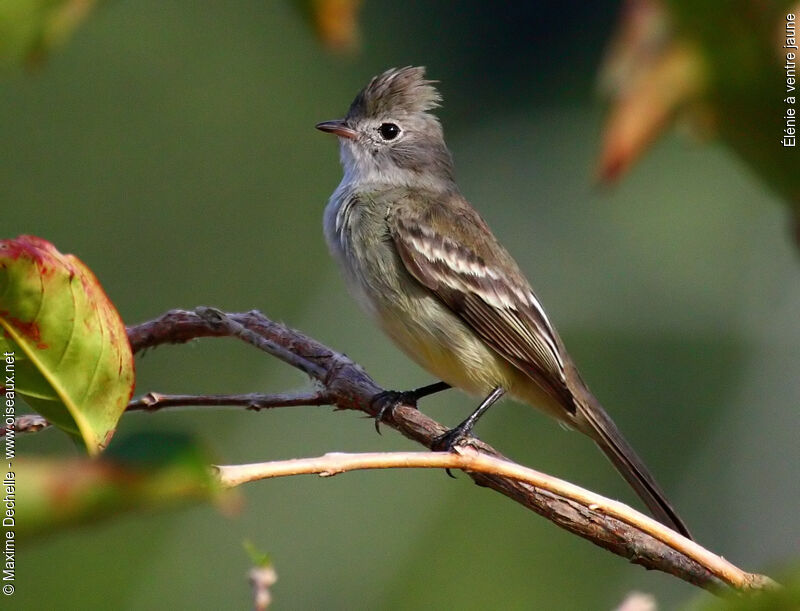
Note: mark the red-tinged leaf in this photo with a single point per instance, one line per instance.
(71, 358)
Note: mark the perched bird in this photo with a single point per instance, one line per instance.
(425, 265)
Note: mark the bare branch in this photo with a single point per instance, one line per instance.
(347, 386)
(471, 461)
(154, 401)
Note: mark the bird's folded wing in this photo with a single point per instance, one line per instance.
(450, 250)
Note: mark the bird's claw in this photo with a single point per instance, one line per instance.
(388, 400)
(450, 440)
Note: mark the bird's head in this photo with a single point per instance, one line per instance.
(389, 134)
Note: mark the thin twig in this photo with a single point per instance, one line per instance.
(154, 401)
(471, 461)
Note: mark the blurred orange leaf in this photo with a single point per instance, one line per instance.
(335, 22)
(651, 100)
(649, 76)
(720, 64)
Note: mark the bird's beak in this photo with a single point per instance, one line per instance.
(338, 127)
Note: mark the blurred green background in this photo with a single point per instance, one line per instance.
(171, 147)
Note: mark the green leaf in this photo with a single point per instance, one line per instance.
(71, 358)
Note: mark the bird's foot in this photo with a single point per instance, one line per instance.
(450, 440)
(386, 401)
(389, 399)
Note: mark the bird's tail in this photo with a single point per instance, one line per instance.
(608, 437)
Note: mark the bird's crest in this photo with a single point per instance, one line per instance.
(396, 91)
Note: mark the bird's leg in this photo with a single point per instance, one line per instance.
(458, 434)
(390, 399)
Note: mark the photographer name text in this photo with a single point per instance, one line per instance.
(9, 481)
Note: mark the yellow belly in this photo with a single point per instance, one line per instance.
(443, 345)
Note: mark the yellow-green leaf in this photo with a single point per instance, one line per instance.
(29, 29)
(64, 341)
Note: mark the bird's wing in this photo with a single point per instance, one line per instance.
(448, 248)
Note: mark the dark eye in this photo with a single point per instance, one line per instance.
(388, 131)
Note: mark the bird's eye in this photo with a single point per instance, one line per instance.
(388, 131)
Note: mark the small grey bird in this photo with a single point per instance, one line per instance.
(425, 265)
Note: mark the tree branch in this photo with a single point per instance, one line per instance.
(347, 386)
(471, 461)
(154, 401)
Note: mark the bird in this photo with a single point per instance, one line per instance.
(427, 268)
